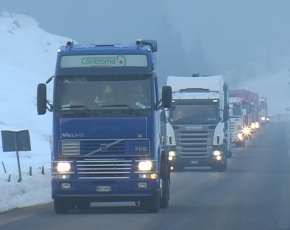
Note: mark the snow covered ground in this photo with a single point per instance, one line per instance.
(27, 58)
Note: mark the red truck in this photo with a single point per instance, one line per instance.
(250, 102)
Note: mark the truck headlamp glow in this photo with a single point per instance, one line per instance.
(240, 136)
(263, 118)
(246, 131)
(253, 126)
(63, 166)
(257, 125)
(172, 154)
(145, 165)
(216, 153)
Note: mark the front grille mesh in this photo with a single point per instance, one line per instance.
(193, 143)
(104, 169)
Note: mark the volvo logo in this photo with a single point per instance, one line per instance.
(104, 148)
(193, 127)
(73, 135)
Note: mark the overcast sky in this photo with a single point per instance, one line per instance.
(208, 36)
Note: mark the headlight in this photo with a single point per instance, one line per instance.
(240, 136)
(246, 131)
(63, 167)
(253, 126)
(145, 165)
(172, 153)
(216, 153)
(263, 118)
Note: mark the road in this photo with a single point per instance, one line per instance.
(253, 194)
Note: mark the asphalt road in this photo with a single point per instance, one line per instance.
(253, 194)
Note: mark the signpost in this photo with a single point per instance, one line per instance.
(16, 141)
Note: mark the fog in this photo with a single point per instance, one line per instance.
(239, 39)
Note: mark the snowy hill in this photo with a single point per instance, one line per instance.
(27, 58)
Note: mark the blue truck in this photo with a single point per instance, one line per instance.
(108, 131)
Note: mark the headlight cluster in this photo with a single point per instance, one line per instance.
(218, 155)
(62, 170)
(145, 165)
(246, 131)
(171, 156)
(240, 136)
(63, 167)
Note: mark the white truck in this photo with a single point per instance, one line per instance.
(264, 117)
(237, 114)
(200, 120)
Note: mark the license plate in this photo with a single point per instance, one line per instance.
(104, 189)
(194, 162)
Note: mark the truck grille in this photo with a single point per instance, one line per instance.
(104, 169)
(193, 143)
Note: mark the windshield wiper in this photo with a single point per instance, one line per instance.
(122, 105)
(78, 106)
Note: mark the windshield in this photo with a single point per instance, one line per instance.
(236, 109)
(263, 105)
(99, 93)
(195, 113)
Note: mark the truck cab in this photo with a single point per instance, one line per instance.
(200, 121)
(109, 141)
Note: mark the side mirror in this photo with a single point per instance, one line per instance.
(166, 96)
(41, 99)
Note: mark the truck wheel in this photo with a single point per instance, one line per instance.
(165, 194)
(165, 188)
(165, 176)
(61, 205)
(153, 203)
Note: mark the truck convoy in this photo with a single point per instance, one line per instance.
(200, 120)
(238, 131)
(109, 141)
(250, 102)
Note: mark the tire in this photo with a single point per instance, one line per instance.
(165, 188)
(61, 205)
(153, 203)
